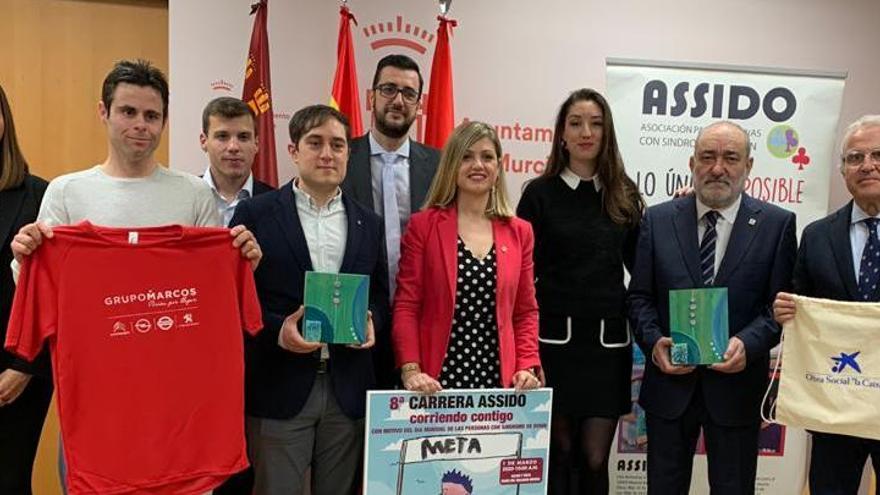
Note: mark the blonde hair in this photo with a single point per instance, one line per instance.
(444, 187)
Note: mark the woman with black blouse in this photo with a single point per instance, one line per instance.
(585, 213)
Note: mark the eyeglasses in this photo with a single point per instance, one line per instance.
(390, 91)
(855, 158)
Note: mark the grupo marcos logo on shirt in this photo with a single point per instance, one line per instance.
(140, 313)
(153, 297)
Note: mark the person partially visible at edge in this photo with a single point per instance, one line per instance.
(585, 211)
(465, 314)
(849, 236)
(25, 387)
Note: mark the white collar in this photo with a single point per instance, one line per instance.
(303, 196)
(728, 213)
(573, 180)
(377, 149)
(248, 184)
(858, 214)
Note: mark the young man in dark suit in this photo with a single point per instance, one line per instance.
(305, 402)
(717, 237)
(832, 251)
(229, 138)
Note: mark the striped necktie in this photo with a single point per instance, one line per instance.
(869, 269)
(707, 248)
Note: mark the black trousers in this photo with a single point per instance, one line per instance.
(837, 462)
(21, 424)
(732, 453)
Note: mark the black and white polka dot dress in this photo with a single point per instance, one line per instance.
(472, 355)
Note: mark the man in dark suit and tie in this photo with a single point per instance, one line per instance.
(305, 402)
(229, 138)
(388, 171)
(830, 265)
(717, 237)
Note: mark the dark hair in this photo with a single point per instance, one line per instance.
(620, 195)
(401, 62)
(306, 119)
(13, 166)
(226, 107)
(139, 73)
(458, 478)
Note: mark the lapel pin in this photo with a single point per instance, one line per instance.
(752, 221)
(360, 222)
(503, 249)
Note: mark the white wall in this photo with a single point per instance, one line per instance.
(515, 60)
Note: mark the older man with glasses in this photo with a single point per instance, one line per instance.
(830, 261)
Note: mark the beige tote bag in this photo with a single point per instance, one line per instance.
(830, 380)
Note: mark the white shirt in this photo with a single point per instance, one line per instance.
(326, 230)
(858, 236)
(227, 208)
(401, 176)
(723, 227)
(572, 179)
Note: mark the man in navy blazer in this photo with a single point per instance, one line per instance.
(717, 237)
(833, 249)
(305, 402)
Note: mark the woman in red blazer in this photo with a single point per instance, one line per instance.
(465, 314)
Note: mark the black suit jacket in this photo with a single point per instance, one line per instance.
(18, 207)
(757, 264)
(261, 187)
(278, 382)
(358, 181)
(824, 266)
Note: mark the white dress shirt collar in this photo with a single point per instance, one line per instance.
(572, 179)
(377, 149)
(728, 214)
(247, 188)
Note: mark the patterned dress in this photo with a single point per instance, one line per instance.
(472, 356)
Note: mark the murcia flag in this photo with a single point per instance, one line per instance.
(257, 93)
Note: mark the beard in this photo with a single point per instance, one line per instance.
(391, 129)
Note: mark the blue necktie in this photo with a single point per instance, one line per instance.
(869, 269)
(392, 218)
(707, 248)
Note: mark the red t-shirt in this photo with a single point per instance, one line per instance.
(145, 328)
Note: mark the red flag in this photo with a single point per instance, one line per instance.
(344, 96)
(440, 110)
(257, 93)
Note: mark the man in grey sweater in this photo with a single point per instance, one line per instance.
(130, 188)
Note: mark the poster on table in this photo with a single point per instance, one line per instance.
(487, 442)
(791, 117)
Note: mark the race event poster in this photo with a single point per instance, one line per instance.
(486, 442)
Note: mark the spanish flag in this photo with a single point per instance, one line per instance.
(344, 96)
(257, 93)
(440, 109)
